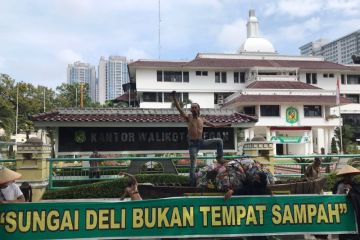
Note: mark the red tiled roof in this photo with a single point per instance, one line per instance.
(154, 63)
(125, 97)
(246, 99)
(355, 67)
(240, 63)
(139, 116)
(280, 85)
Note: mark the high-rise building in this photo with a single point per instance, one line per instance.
(313, 48)
(113, 73)
(338, 51)
(83, 73)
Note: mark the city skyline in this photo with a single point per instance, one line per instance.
(40, 38)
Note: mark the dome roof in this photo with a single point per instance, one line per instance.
(257, 44)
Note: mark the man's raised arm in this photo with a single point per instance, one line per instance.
(207, 123)
(177, 105)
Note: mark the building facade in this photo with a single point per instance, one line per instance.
(112, 74)
(257, 81)
(338, 51)
(79, 72)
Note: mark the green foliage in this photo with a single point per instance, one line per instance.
(111, 189)
(69, 95)
(303, 160)
(355, 162)
(347, 135)
(334, 146)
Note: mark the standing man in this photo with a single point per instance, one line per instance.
(196, 124)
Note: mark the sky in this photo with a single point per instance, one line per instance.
(39, 38)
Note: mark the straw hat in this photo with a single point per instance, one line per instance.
(348, 170)
(7, 175)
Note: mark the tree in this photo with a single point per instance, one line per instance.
(334, 146)
(347, 135)
(69, 96)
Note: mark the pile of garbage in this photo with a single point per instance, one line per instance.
(233, 174)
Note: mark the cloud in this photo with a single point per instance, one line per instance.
(2, 62)
(69, 56)
(346, 7)
(299, 31)
(232, 35)
(135, 54)
(294, 8)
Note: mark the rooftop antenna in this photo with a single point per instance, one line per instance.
(159, 30)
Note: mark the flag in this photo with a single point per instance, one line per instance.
(338, 92)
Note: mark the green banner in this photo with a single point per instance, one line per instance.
(179, 217)
(290, 139)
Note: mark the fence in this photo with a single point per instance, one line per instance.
(86, 170)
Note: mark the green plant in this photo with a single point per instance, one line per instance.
(303, 166)
(334, 146)
(111, 189)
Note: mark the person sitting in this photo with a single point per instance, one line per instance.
(132, 188)
(313, 170)
(9, 191)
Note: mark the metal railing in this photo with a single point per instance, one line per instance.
(77, 172)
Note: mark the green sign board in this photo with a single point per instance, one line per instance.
(292, 115)
(179, 217)
(289, 139)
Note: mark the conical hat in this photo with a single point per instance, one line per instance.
(348, 170)
(7, 175)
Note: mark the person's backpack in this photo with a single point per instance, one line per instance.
(26, 189)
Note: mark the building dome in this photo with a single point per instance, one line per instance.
(254, 43)
(257, 44)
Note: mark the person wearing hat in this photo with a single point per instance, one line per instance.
(9, 191)
(344, 185)
(347, 186)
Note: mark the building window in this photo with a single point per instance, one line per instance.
(342, 79)
(223, 77)
(250, 110)
(159, 76)
(152, 97)
(220, 77)
(185, 76)
(270, 110)
(353, 79)
(325, 75)
(331, 75)
(312, 111)
(311, 78)
(353, 97)
(239, 77)
(172, 76)
(201, 73)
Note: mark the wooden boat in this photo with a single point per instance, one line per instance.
(298, 186)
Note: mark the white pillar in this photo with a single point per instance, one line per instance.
(307, 145)
(247, 134)
(326, 140)
(268, 134)
(311, 144)
(252, 133)
(273, 134)
(320, 138)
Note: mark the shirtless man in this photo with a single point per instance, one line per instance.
(132, 188)
(195, 131)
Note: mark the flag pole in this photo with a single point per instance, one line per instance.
(340, 119)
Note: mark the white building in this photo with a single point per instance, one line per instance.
(259, 82)
(83, 73)
(339, 50)
(112, 74)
